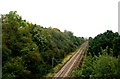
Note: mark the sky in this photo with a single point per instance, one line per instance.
(85, 18)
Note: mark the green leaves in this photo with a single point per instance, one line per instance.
(116, 46)
(105, 66)
(102, 66)
(15, 68)
(28, 48)
(102, 60)
(106, 39)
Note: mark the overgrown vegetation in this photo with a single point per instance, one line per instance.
(60, 65)
(28, 49)
(103, 57)
(101, 41)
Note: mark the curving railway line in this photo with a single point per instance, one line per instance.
(66, 70)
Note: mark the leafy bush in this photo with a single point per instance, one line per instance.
(102, 66)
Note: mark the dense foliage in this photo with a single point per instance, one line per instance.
(103, 57)
(102, 66)
(28, 49)
(101, 41)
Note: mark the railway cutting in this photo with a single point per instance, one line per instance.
(73, 62)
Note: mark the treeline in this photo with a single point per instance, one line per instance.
(101, 41)
(102, 59)
(28, 49)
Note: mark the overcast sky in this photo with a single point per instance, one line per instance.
(83, 17)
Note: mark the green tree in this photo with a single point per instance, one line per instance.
(102, 66)
(28, 48)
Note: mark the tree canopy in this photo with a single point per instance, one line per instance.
(103, 40)
(28, 49)
(102, 59)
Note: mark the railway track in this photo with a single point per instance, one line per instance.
(66, 70)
